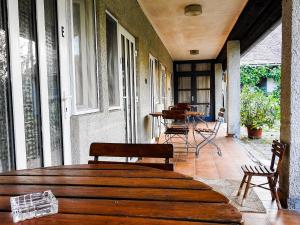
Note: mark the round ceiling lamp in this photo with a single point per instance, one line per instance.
(193, 10)
(194, 52)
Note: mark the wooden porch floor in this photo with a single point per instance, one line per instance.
(211, 166)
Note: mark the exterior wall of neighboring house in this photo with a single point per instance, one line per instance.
(267, 51)
(109, 125)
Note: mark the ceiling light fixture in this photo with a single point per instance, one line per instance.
(194, 52)
(193, 10)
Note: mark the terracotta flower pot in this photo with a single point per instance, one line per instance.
(254, 133)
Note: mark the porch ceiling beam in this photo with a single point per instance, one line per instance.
(257, 17)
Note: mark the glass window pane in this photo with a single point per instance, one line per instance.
(203, 96)
(112, 61)
(184, 83)
(30, 82)
(84, 55)
(184, 96)
(205, 108)
(203, 67)
(184, 67)
(53, 81)
(5, 112)
(203, 82)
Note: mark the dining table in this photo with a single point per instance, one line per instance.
(118, 194)
(191, 115)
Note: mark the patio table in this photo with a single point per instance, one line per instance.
(118, 194)
(191, 114)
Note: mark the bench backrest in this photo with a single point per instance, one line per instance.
(133, 150)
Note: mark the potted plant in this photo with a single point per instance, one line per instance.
(257, 110)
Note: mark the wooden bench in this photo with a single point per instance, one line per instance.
(133, 150)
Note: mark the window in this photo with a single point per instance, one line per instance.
(6, 145)
(84, 57)
(30, 83)
(112, 62)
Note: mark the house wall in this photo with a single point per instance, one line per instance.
(109, 126)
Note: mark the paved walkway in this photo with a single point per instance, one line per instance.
(211, 166)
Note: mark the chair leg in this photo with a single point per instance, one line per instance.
(270, 182)
(187, 142)
(242, 184)
(274, 192)
(247, 189)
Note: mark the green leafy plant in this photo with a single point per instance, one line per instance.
(257, 108)
(252, 75)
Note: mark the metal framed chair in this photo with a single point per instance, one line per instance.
(176, 126)
(270, 173)
(209, 135)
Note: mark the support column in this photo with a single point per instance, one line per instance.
(289, 191)
(218, 88)
(233, 88)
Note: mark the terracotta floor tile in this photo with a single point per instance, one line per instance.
(211, 166)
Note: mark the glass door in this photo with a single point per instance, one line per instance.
(30, 82)
(34, 66)
(128, 73)
(154, 95)
(53, 78)
(6, 117)
(194, 84)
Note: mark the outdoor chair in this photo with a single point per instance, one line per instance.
(176, 126)
(209, 135)
(133, 150)
(181, 106)
(270, 173)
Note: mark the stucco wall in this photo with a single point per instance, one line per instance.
(109, 126)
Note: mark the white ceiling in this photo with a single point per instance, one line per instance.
(179, 33)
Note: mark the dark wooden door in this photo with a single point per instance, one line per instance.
(194, 84)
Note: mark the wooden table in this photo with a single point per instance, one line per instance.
(118, 194)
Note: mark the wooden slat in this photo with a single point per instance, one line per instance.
(72, 219)
(105, 181)
(132, 150)
(98, 173)
(206, 212)
(162, 166)
(118, 193)
(102, 167)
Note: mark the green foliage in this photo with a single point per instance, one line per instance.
(252, 75)
(257, 108)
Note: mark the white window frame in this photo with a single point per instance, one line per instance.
(121, 106)
(75, 110)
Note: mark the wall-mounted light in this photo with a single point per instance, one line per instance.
(194, 52)
(193, 10)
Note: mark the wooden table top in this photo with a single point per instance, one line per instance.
(118, 194)
(188, 113)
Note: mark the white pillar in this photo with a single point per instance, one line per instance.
(218, 88)
(289, 190)
(233, 88)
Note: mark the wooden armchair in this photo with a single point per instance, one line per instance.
(270, 173)
(133, 150)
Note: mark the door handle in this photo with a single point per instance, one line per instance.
(192, 98)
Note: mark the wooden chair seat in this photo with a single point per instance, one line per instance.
(270, 173)
(133, 150)
(177, 130)
(258, 170)
(206, 130)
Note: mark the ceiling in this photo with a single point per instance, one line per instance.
(179, 33)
